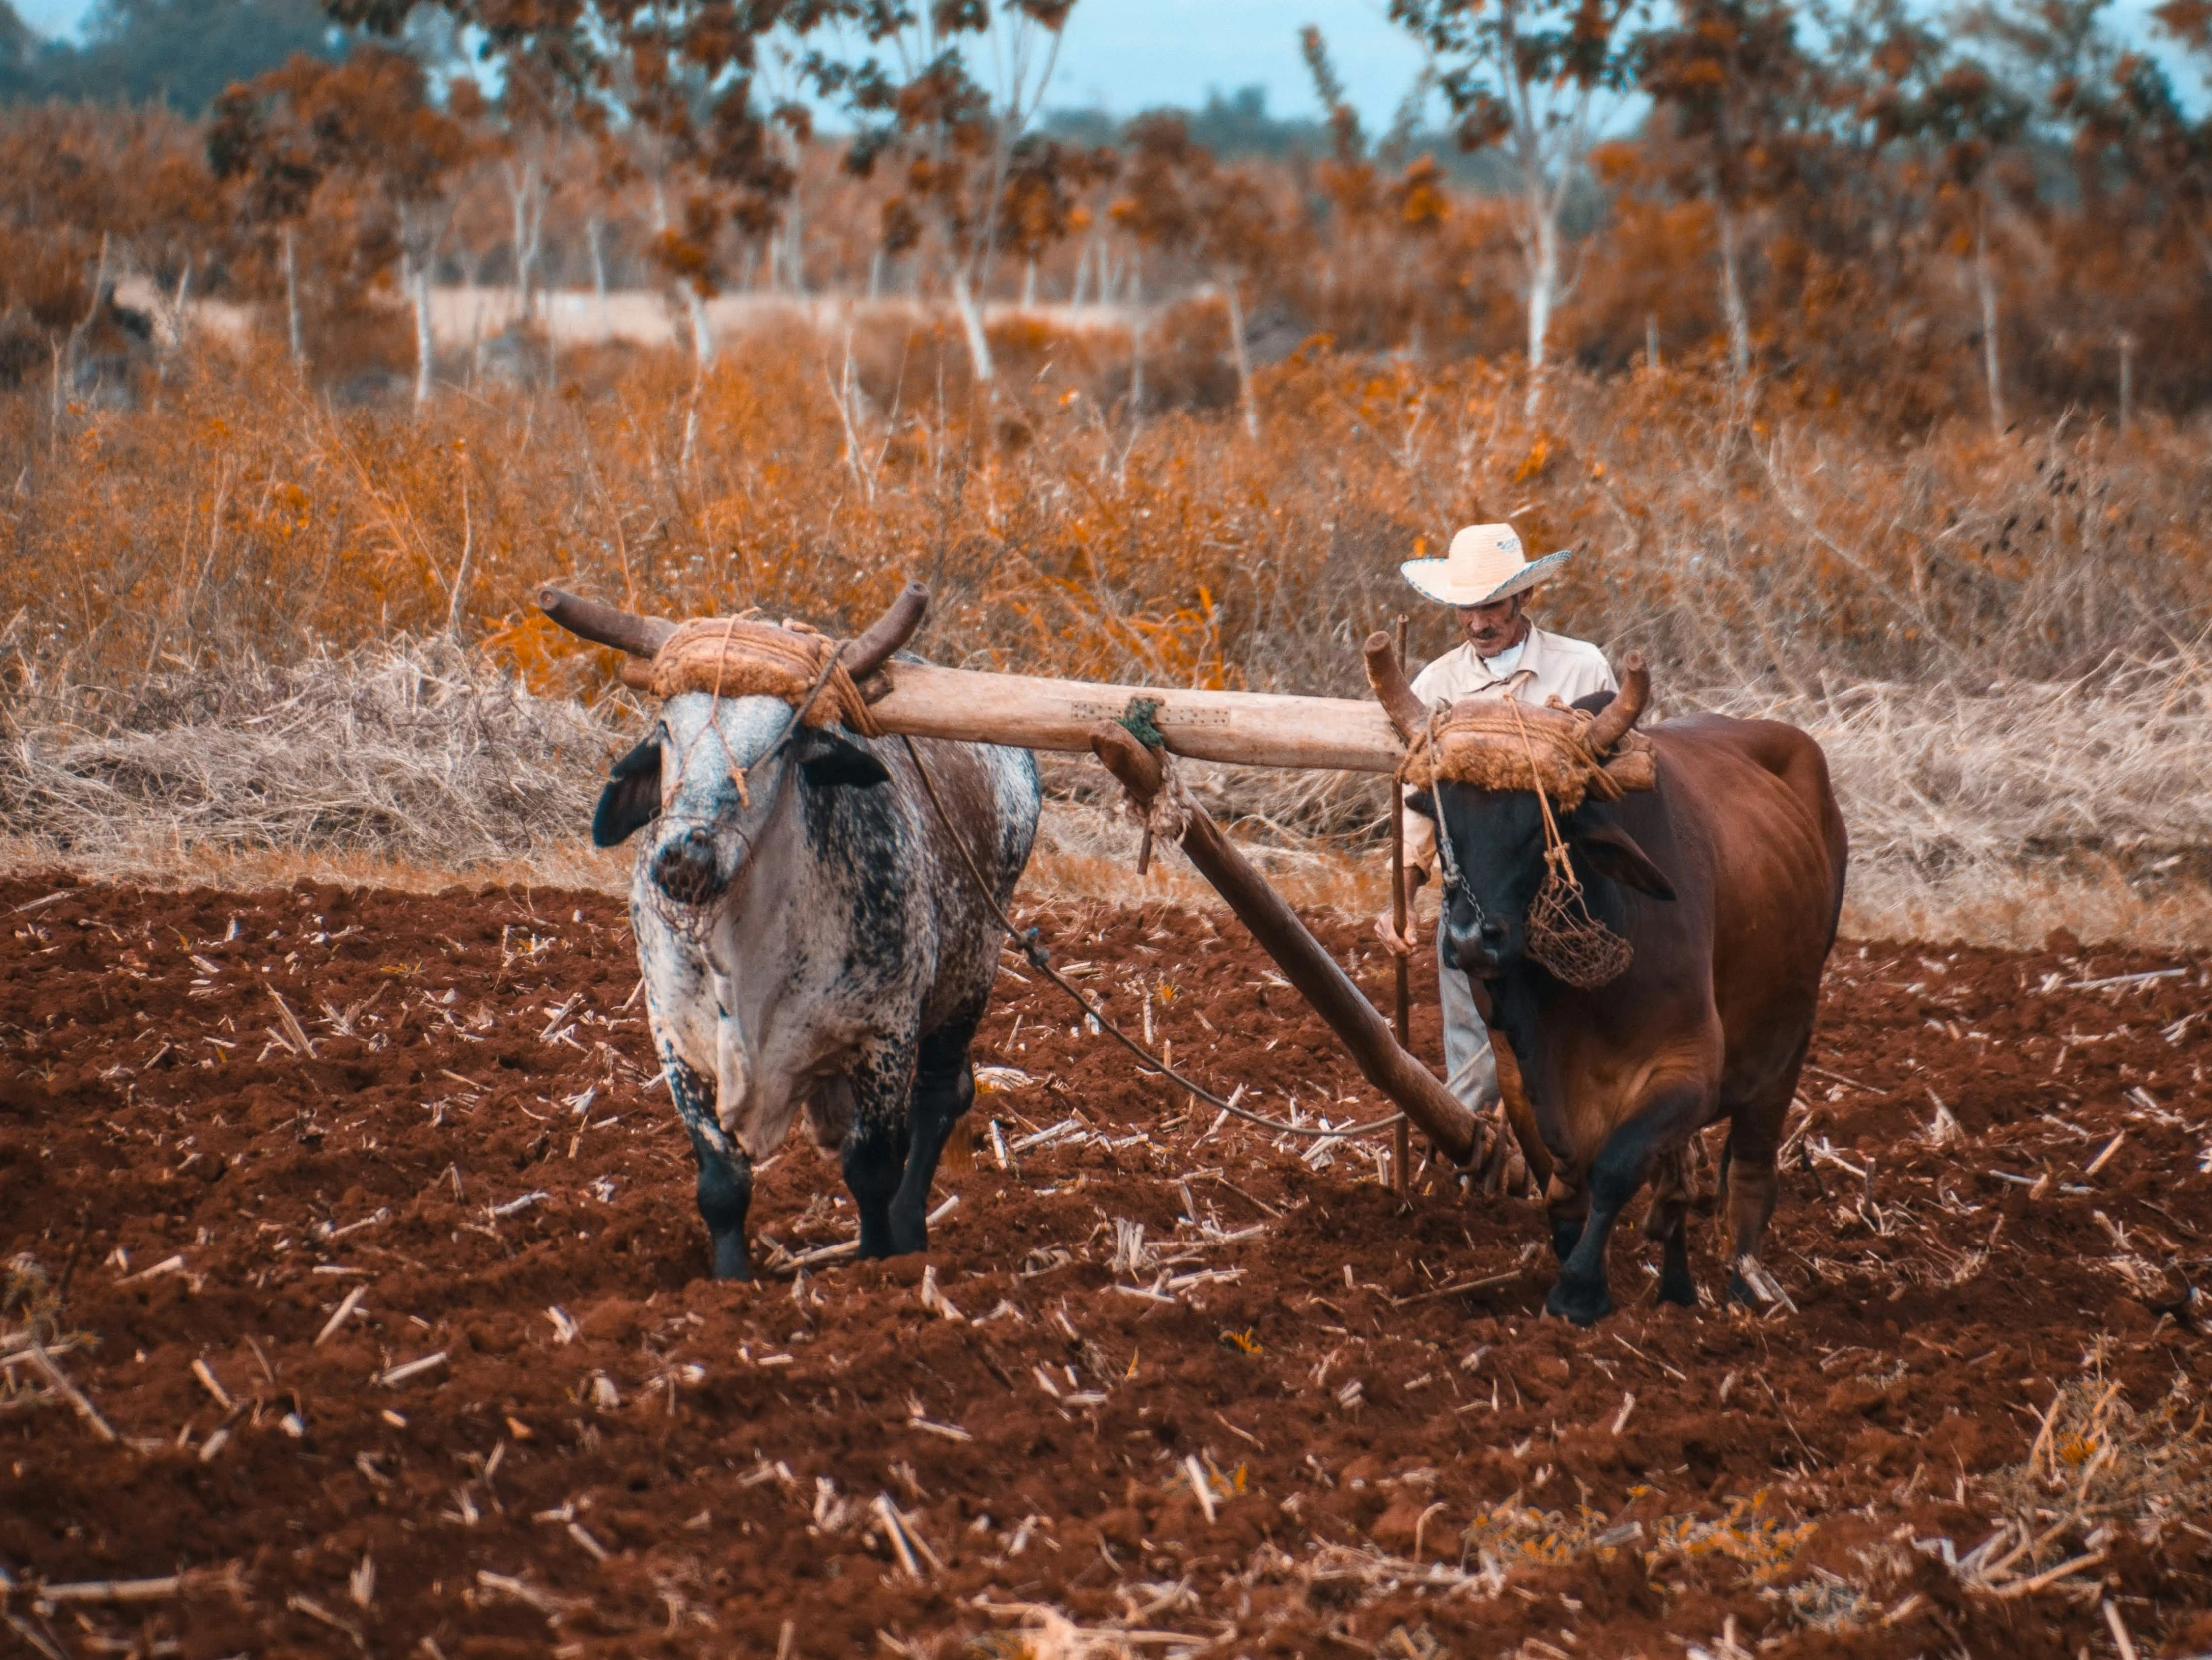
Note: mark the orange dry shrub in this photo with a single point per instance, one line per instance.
(235, 514)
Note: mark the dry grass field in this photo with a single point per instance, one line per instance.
(243, 621)
(351, 1308)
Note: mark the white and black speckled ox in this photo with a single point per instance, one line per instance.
(814, 941)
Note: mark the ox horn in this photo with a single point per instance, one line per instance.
(1612, 722)
(640, 637)
(1387, 676)
(888, 632)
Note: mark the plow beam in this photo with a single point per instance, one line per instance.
(1418, 1092)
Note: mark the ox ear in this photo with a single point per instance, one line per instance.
(829, 760)
(631, 799)
(1613, 854)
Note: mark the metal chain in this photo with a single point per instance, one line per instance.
(1447, 858)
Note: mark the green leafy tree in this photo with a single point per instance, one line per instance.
(182, 53)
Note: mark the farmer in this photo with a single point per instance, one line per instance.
(1487, 580)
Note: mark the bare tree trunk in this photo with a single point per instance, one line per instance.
(176, 304)
(424, 356)
(970, 323)
(702, 327)
(1650, 340)
(1136, 371)
(2127, 381)
(291, 306)
(1244, 360)
(92, 312)
(467, 560)
(1986, 280)
(702, 356)
(521, 188)
(1029, 282)
(1082, 269)
(1731, 290)
(1543, 289)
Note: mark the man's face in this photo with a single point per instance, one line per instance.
(1494, 627)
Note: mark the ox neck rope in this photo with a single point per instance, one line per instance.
(1033, 953)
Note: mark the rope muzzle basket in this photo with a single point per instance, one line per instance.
(1499, 743)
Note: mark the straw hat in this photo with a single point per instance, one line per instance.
(1485, 564)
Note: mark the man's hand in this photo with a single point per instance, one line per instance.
(1387, 930)
(1394, 942)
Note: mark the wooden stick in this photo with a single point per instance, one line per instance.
(888, 1515)
(414, 1369)
(207, 1381)
(113, 1590)
(1454, 1290)
(2051, 1576)
(1316, 976)
(1401, 1147)
(2122, 1638)
(294, 1032)
(352, 1301)
(1201, 1486)
(70, 1393)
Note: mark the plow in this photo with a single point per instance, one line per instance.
(1135, 732)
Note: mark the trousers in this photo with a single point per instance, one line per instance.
(1470, 1069)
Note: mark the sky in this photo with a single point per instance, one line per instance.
(1131, 55)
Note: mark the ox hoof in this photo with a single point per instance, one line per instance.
(1566, 1235)
(731, 1260)
(1582, 1305)
(1682, 1294)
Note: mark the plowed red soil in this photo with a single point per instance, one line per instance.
(606, 1453)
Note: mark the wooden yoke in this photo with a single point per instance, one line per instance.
(1316, 976)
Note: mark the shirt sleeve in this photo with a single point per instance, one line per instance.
(1421, 839)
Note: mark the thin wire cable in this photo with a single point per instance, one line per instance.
(1035, 953)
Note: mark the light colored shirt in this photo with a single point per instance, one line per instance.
(1562, 668)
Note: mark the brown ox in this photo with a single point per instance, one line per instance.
(1725, 878)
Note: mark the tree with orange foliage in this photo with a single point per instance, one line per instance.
(1043, 199)
(1374, 219)
(2183, 143)
(87, 196)
(670, 89)
(954, 136)
(1529, 78)
(273, 168)
(1177, 195)
(369, 128)
(1729, 86)
(1969, 122)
